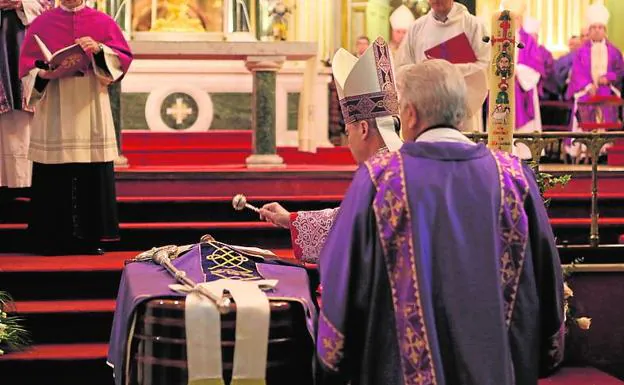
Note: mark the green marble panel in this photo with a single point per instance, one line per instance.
(264, 138)
(114, 94)
(133, 111)
(293, 111)
(232, 111)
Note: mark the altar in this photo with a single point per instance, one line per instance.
(276, 89)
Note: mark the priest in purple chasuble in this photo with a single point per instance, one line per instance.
(563, 65)
(545, 86)
(15, 116)
(529, 70)
(445, 20)
(369, 105)
(441, 267)
(597, 69)
(73, 143)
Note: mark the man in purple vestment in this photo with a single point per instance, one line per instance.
(15, 116)
(369, 109)
(563, 65)
(597, 68)
(529, 71)
(545, 87)
(441, 267)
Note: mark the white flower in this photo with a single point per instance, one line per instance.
(584, 322)
(567, 292)
(1, 352)
(2, 328)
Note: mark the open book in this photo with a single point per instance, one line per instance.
(456, 50)
(68, 61)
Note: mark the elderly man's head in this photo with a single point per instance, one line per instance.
(431, 93)
(597, 31)
(441, 7)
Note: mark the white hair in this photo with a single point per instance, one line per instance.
(436, 89)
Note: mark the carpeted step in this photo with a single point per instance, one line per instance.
(144, 235)
(86, 277)
(70, 321)
(64, 364)
(185, 208)
(580, 376)
(578, 205)
(36, 278)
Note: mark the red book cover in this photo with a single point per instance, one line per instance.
(456, 50)
(66, 61)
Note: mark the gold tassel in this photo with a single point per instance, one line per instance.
(248, 381)
(211, 381)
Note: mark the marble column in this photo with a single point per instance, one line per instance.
(114, 94)
(264, 70)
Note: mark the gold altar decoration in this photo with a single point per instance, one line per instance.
(279, 20)
(178, 18)
(536, 141)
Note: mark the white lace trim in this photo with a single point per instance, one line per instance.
(312, 230)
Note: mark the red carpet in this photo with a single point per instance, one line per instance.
(580, 376)
(78, 306)
(59, 352)
(111, 261)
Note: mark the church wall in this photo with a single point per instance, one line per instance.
(616, 27)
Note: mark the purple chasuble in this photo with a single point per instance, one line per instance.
(547, 84)
(581, 75)
(562, 68)
(530, 56)
(59, 28)
(441, 268)
(142, 281)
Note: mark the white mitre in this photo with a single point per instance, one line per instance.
(366, 89)
(531, 25)
(401, 18)
(597, 14)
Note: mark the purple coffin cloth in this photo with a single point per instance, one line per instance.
(142, 281)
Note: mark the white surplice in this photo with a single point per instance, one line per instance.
(73, 122)
(15, 168)
(427, 32)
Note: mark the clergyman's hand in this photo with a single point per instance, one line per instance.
(89, 45)
(603, 81)
(274, 213)
(48, 74)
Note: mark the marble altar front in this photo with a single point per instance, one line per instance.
(181, 80)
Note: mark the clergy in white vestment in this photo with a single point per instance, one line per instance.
(73, 141)
(400, 21)
(446, 20)
(15, 116)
